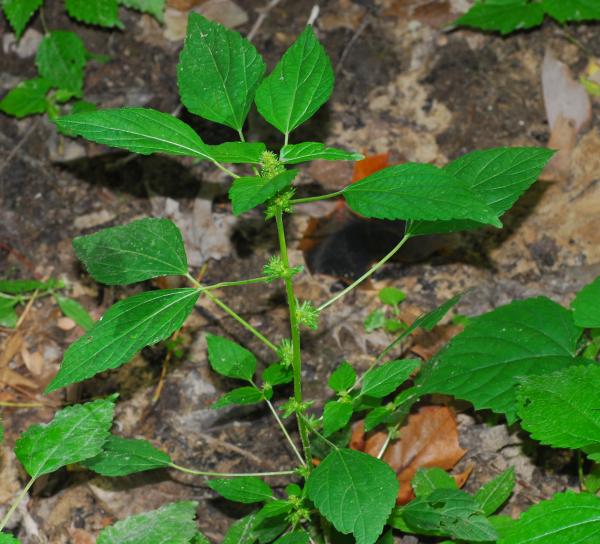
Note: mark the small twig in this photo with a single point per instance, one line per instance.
(314, 13)
(15, 149)
(263, 12)
(363, 24)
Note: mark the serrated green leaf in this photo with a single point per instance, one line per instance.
(419, 192)
(156, 8)
(241, 395)
(496, 492)
(144, 249)
(375, 320)
(126, 328)
(5, 538)
(297, 537)
(230, 359)
(27, 98)
(60, 59)
(173, 523)
(237, 152)
(562, 409)
(504, 16)
(573, 10)
(271, 521)
(482, 364)
(241, 531)
(246, 489)
(18, 13)
(248, 192)
(586, 306)
(565, 518)
(342, 378)
(95, 12)
(299, 85)
(343, 488)
(391, 296)
(383, 380)
(311, 151)
(8, 316)
(19, 287)
(336, 416)
(427, 480)
(71, 308)
(277, 374)
(123, 456)
(76, 433)
(377, 416)
(218, 73)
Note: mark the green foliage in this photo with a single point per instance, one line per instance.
(8, 316)
(391, 296)
(297, 537)
(230, 359)
(241, 395)
(496, 492)
(246, 489)
(311, 151)
(8, 539)
(71, 308)
(18, 13)
(241, 531)
(155, 8)
(248, 192)
(336, 416)
(586, 306)
(342, 378)
(95, 12)
(427, 480)
(27, 98)
(383, 380)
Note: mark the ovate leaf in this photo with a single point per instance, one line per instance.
(299, 85)
(218, 72)
(173, 523)
(241, 395)
(126, 328)
(383, 380)
(342, 378)
(248, 192)
(237, 152)
(355, 492)
(245, 489)
(573, 10)
(504, 16)
(241, 531)
(230, 359)
(72, 309)
(18, 13)
(155, 8)
(427, 480)
(144, 249)
(586, 306)
(336, 416)
(496, 492)
(95, 12)
(391, 296)
(8, 316)
(277, 374)
(311, 151)
(76, 433)
(27, 98)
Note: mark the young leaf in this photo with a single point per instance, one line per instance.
(561, 409)
(496, 492)
(299, 85)
(155, 8)
(230, 359)
(573, 10)
(241, 531)
(311, 151)
(482, 364)
(297, 537)
(95, 12)
(391, 296)
(248, 192)
(277, 374)
(342, 378)
(237, 152)
(144, 249)
(375, 320)
(377, 416)
(27, 98)
(342, 488)
(8, 316)
(173, 523)
(76, 433)
(586, 306)
(126, 328)
(427, 480)
(336, 416)
(504, 16)
(71, 308)
(18, 13)
(60, 59)
(417, 191)
(383, 380)
(123, 456)
(246, 489)
(241, 395)
(218, 72)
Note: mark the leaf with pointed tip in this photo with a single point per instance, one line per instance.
(248, 192)
(18, 13)
(241, 395)
(27, 98)
(342, 378)
(586, 306)
(155, 8)
(241, 531)
(230, 359)
(311, 151)
(245, 489)
(95, 12)
(277, 374)
(383, 380)
(427, 480)
(237, 152)
(504, 16)
(336, 416)
(496, 492)
(72, 309)
(573, 10)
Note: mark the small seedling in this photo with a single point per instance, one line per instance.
(387, 317)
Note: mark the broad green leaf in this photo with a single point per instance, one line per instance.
(8, 316)
(218, 72)
(417, 191)
(144, 249)
(383, 380)
(375, 320)
(241, 395)
(173, 524)
(496, 492)
(311, 151)
(427, 480)
(5, 538)
(504, 16)
(241, 531)
(277, 374)
(377, 416)
(18, 13)
(230, 359)
(71, 308)
(155, 8)
(563, 409)
(19, 287)
(126, 328)
(297, 537)
(76, 433)
(482, 364)
(391, 296)
(27, 98)
(342, 378)
(123, 456)
(336, 416)
(246, 489)
(237, 152)
(95, 12)
(586, 306)
(248, 192)
(565, 518)
(355, 492)
(271, 521)
(573, 10)
(299, 85)
(60, 59)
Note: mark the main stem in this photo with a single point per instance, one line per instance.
(15, 504)
(295, 333)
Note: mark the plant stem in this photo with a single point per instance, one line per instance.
(284, 430)
(366, 275)
(315, 198)
(224, 169)
(230, 475)
(295, 334)
(262, 279)
(15, 504)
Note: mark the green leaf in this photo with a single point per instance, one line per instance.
(504, 16)
(417, 191)
(311, 151)
(562, 409)
(566, 517)
(76, 433)
(230, 359)
(427, 480)
(241, 395)
(429, 320)
(277, 374)
(126, 328)
(71, 308)
(297, 537)
(156, 8)
(18, 13)
(19, 287)
(573, 10)
(199, 538)
(496, 492)
(173, 523)
(5, 538)
(123, 456)
(394, 325)
(375, 320)
(60, 59)
(586, 306)
(248, 192)
(246, 489)
(218, 73)
(8, 316)
(383, 380)
(336, 416)
(241, 531)
(377, 416)
(27, 98)
(299, 85)
(237, 152)
(482, 364)
(144, 249)
(343, 488)
(95, 12)
(391, 296)
(342, 378)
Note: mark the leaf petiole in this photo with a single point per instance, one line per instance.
(315, 198)
(15, 504)
(231, 474)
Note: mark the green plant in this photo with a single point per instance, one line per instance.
(390, 298)
(520, 360)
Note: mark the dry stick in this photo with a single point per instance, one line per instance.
(263, 12)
